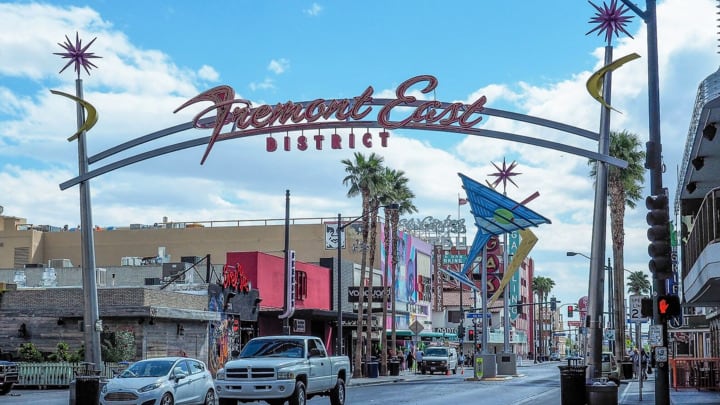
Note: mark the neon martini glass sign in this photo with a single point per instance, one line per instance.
(243, 118)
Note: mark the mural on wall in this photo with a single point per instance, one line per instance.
(219, 331)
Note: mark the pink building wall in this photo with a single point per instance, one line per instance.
(267, 274)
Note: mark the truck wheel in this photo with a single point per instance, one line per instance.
(298, 396)
(5, 388)
(337, 395)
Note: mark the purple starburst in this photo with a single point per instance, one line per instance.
(504, 175)
(610, 20)
(77, 54)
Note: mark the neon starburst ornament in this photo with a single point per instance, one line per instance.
(610, 20)
(77, 54)
(504, 174)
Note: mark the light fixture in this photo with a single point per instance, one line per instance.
(709, 131)
(698, 163)
(60, 322)
(180, 330)
(23, 331)
(691, 187)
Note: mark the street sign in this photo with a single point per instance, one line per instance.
(661, 354)
(655, 335)
(575, 324)
(609, 334)
(416, 327)
(478, 315)
(636, 309)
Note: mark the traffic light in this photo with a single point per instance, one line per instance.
(471, 334)
(553, 304)
(668, 306)
(658, 234)
(461, 332)
(646, 307)
(570, 311)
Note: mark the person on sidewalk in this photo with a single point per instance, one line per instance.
(644, 363)
(418, 360)
(410, 361)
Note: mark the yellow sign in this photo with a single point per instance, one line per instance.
(92, 115)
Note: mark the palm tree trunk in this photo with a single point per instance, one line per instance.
(617, 215)
(393, 296)
(371, 265)
(357, 371)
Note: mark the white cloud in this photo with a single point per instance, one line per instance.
(314, 10)
(268, 83)
(208, 73)
(279, 66)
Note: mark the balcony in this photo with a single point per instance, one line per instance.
(701, 254)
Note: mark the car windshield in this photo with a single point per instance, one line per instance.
(148, 368)
(606, 358)
(274, 348)
(435, 352)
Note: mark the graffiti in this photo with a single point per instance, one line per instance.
(234, 277)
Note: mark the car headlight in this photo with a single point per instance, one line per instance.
(286, 375)
(220, 374)
(150, 387)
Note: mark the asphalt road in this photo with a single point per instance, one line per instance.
(537, 384)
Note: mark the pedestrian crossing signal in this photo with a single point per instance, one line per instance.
(668, 306)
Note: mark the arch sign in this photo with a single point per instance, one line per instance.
(230, 118)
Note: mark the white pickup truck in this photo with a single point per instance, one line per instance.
(276, 369)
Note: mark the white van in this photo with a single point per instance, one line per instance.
(439, 358)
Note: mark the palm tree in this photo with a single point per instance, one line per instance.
(624, 189)
(638, 283)
(394, 191)
(361, 177)
(542, 287)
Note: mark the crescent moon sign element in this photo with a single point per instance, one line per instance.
(595, 82)
(92, 116)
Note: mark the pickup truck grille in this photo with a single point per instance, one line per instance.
(246, 373)
(10, 372)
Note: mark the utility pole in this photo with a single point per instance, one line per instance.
(654, 164)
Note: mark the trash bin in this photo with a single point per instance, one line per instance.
(372, 368)
(572, 384)
(87, 390)
(394, 366)
(599, 393)
(627, 370)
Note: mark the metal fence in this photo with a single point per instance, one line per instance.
(695, 373)
(59, 374)
(705, 228)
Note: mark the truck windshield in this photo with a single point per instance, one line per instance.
(274, 348)
(437, 352)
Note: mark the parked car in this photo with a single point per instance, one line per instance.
(163, 381)
(279, 369)
(8, 376)
(439, 358)
(555, 356)
(610, 367)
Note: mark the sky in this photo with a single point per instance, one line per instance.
(524, 56)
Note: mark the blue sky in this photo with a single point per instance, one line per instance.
(525, 56)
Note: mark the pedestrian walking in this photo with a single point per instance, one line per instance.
(410, 360)
(419, 359)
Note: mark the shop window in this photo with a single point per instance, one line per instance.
(300, 285)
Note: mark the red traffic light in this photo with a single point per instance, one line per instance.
(668, 306)
(471, 334)
(570, 311)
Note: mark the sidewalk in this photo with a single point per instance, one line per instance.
(628, 392)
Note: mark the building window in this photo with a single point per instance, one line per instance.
(300, 285)
(454, 316)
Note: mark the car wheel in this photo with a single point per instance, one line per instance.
(209, 398)
(167, 399)
(337, 395)
(5, 388)
(298, 396)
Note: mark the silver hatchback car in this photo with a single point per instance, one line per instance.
(163, 381)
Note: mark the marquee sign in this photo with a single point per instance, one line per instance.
(243, 118)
